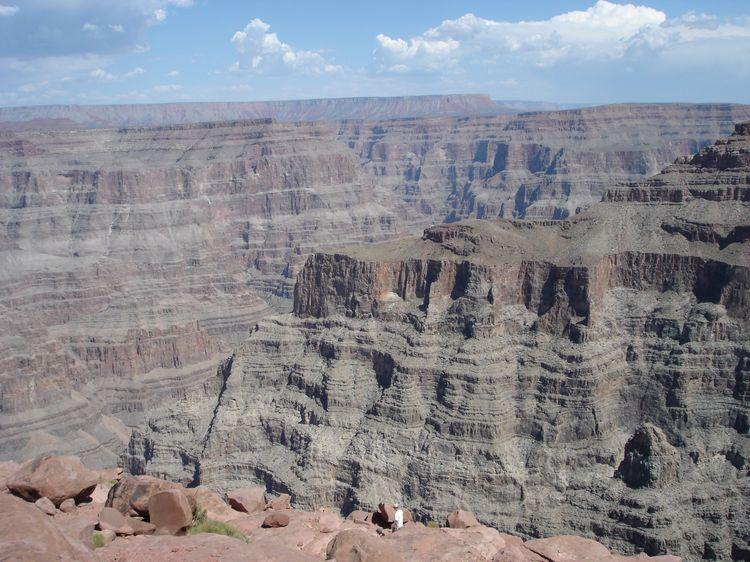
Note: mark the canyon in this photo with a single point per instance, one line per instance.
(148, 274)
(331, 109)
(587, 376)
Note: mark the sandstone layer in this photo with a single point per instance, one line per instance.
(587, 376)
(133, 260)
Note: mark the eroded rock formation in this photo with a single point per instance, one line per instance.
(132, 261)
(586, 376)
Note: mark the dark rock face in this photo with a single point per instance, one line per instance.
(650, 461)
(512, 368)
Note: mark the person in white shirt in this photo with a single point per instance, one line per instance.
(398, 518)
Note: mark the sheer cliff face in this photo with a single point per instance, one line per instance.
(132, 261)
(586, 376)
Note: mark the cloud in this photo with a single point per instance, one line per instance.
(600, 32)
(6, 11)
(264, 53)
(101, 74)
(159, 15)
(43, 28)
(173, 73)
(137, 71)
(167, 88)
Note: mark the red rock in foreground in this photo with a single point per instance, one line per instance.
(56, 478)
(287, 535)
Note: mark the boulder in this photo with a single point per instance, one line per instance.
(46, 506)
(7, 469)
(275, 520)
(247, 500)
(461, 519)
(68, 506)
(362, 517)
(357, 546)
(56, 478)
(170, 511)
(387, 512)
(140, 527)
(211, 502)
(113, 520)
(27, 535)
(328, 522)
(564, 548)
(284, 501)
(134, 492)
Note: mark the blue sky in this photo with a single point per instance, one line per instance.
(138, 51)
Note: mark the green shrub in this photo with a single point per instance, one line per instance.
(199, 515)
(433, 524)
(217, 527)
(97, 539)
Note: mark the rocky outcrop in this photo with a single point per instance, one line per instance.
(134, 260)
(96, 532)
(514, 368)
(55, 478)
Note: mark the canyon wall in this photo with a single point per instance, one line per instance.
(331, 109)
(587, 376)
(134, 260)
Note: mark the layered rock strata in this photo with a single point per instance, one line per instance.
(133, 260)
(587, 376)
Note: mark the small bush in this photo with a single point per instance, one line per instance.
(199, 515)
(433, 524)
(217, 527)
(97, 539)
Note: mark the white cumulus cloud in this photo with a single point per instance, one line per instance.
(264, 53)
(604, 31)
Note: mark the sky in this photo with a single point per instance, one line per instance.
(565, 51)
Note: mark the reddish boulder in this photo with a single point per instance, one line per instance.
(275, 520)
(461, 519)
(112, 520)
(170, 511)
(357, 546)
(27, 535)
(387, 512)
(68, 506)
(284, 501)
(140, 527)
(134, 492)
(568, 547)
(46, 506)
(362, 517)
(7, 469)
(211, 502)
(328, 522)
(56, 478)
(247, 500)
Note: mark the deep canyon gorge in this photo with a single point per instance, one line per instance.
(520, 314)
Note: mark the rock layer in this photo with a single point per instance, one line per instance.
(133, 260)
(587, 376)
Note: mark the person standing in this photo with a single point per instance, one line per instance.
(398, 518)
